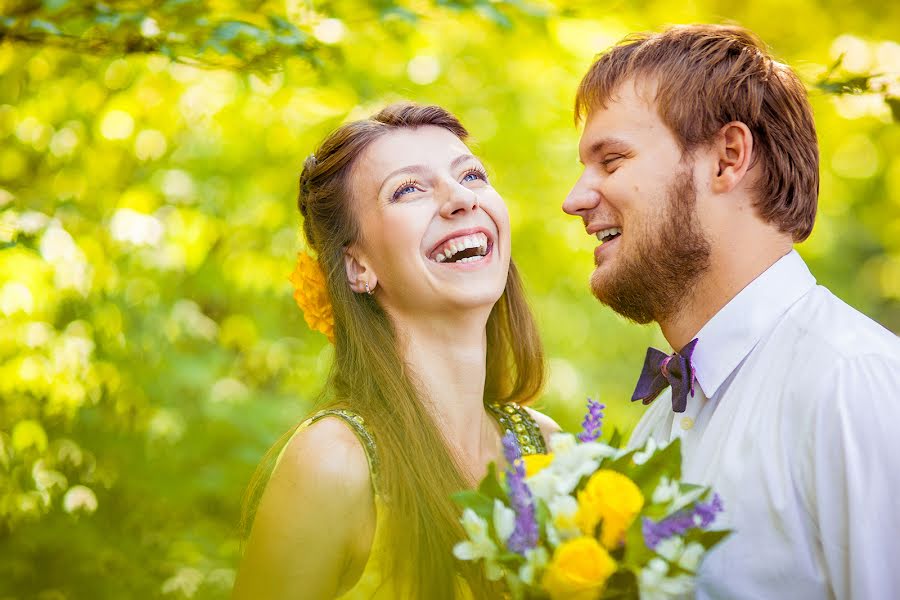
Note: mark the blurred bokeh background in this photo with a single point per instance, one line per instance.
(150, 350)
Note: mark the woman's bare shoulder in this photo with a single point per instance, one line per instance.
(319, 496)
(328, 455)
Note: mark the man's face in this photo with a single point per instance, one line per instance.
(637, 195)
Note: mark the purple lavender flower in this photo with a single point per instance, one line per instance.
(707, 511)
(593, 421)
(702, 516)
(511, 448)
(525, 534)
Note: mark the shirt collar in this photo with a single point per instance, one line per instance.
(731, 334)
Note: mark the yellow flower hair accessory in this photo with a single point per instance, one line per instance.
(311, 295)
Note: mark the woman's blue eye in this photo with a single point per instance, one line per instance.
(406, 188)
(474, 175)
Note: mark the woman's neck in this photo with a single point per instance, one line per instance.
(447, 359)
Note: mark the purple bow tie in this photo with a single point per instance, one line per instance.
(662, 370)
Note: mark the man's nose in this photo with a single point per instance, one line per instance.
(582, 198)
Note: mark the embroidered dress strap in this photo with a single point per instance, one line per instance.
(514, 418)
(358, 425)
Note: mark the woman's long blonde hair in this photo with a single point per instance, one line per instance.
(417, 471)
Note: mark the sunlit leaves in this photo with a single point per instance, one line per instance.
(182, 31)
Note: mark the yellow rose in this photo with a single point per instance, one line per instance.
(578, 571)
(311, 295)
(535, 463)
(612, 498)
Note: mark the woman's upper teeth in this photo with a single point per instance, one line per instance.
(604, 233)
(453, 246)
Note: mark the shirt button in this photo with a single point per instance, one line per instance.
(687, 423)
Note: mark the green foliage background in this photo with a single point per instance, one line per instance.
(150, 350)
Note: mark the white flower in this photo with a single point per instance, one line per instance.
(546, 484)
(504, 520)
(561, 442)
(671, 548)
(654, 585)
(644, 455)
(665, 491)
(553, 537)
(674, 550)
(690, 558)
(563, 510)
(571, 462)
(684, 499)
(535, 560)
(479, 545)
(670, 492)
(654, 572)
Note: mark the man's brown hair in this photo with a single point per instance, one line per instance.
(710, 75)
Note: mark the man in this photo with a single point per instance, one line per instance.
(700, 173)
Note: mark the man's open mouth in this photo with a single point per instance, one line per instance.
(607, 235)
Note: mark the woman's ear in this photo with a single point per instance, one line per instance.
(734, 151)
(360, 276)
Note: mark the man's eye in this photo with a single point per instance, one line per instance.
(611, 161)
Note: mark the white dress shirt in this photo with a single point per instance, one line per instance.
(796, 424)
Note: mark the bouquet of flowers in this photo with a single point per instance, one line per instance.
(590, 520)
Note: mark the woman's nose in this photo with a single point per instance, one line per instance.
(457, 200)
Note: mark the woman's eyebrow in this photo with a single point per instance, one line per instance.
(418, 169)
(407, 170)
(461, 159)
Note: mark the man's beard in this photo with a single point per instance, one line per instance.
(652, 283)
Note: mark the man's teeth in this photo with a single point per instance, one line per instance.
(604, 234)
(457, 245)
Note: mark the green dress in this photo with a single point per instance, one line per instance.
(373, 584)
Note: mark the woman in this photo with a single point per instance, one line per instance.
(433, 344)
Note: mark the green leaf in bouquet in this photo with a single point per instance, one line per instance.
(615, 439)
(622, 585)
(510, 559)
(478, 502)
(656, 512)
(490, 485)
(541, 515)
(624, 464)
(707, 538)
(665, 462)
(637, 554)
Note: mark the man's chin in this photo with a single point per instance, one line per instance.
(601, 285)
(609, 291)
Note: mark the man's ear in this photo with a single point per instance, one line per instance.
(358, 271)
(734, 151)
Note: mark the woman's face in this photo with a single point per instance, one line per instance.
(434, 232)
